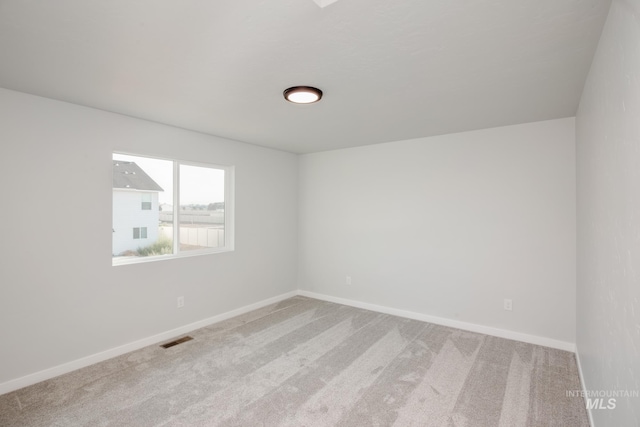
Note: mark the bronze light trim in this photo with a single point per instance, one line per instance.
(302, 94)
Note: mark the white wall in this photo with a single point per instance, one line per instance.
(60, 297)
(608, 164)
(449, 226)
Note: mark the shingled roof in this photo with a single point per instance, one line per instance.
(129, 175)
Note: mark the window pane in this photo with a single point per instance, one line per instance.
(201, 215)
(138, 183)
(147, 201)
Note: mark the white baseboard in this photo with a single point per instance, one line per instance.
(584, 386)
(55, 371)
(502, 333)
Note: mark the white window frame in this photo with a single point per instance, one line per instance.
(229, 210)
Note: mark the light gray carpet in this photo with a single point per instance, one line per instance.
(304, 362)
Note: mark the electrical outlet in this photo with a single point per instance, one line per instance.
(180, 302)
(508, 304)
(348, 280)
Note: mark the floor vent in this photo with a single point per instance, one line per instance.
(176, 342)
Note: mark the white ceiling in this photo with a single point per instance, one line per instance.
(389, 69)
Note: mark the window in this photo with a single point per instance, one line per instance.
(140, 233)
(175, 208)
(146, 201)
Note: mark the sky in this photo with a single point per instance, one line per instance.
(198, 185)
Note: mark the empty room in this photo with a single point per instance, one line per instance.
(320, 213)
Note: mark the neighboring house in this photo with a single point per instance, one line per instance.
(135, 208)
(166, 207)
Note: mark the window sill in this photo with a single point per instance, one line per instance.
(126, 260)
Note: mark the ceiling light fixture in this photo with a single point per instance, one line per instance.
(324, 3)
(302, 94)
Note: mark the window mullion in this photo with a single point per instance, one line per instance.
(176, 207)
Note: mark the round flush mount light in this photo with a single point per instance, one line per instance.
(302, 94)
